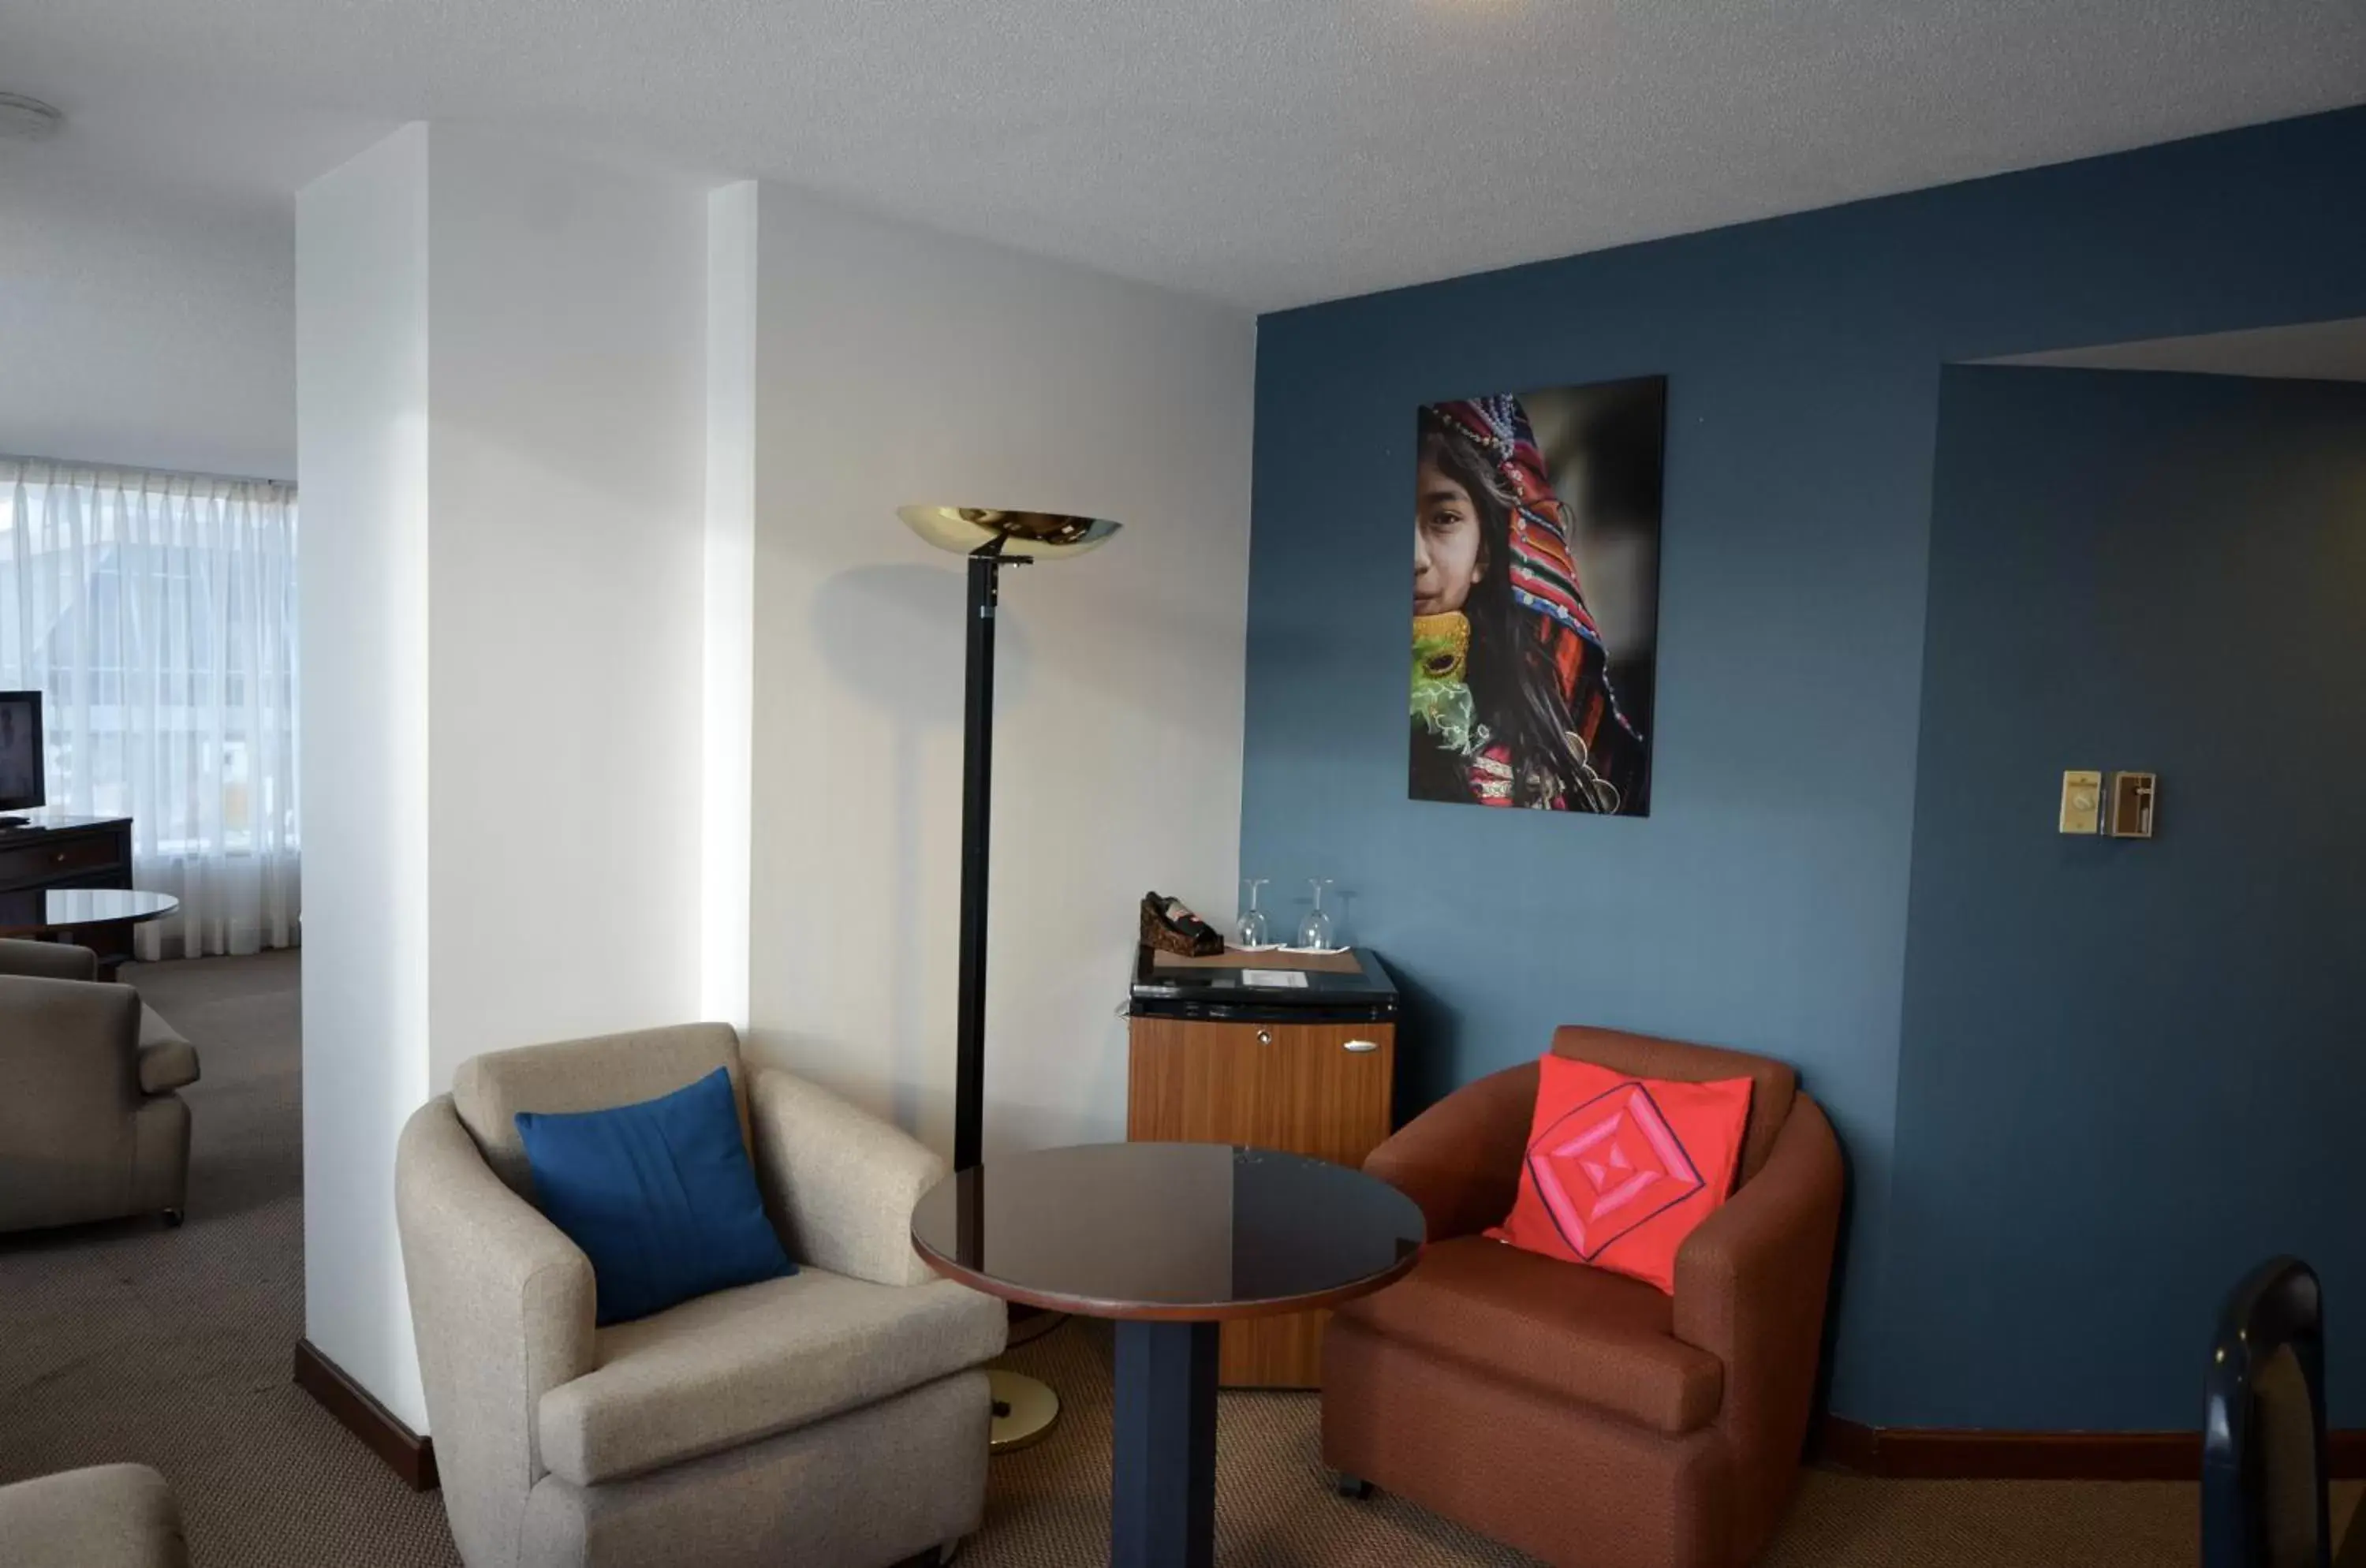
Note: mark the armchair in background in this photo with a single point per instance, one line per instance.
(109, 1515)
(1576, 1413)
(838, 1415)
(90, 1126)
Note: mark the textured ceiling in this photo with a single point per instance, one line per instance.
(2314, 351)
(1268, 152)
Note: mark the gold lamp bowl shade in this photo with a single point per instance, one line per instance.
(966, 529)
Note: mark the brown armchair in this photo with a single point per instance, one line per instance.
(1578, 1415)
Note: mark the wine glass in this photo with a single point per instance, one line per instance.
(1315, 932)
(1253, 933)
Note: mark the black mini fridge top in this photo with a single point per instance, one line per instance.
(1344, 987)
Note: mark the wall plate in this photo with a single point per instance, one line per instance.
(2134, 798)
(2082, 801)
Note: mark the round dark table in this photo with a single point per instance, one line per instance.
(55, 914)
(54, 911)
(1168, 1240)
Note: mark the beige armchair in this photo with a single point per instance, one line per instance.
(835, 1416)
(111, 1515)
(90, 1128)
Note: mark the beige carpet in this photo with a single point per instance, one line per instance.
(133, 1342)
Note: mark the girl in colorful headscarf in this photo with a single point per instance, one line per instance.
(1512, 703)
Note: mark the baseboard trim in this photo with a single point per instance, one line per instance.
(1932, 1453)
(408, 1455)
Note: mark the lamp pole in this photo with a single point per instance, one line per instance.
(1023, 1408)
(985, 564)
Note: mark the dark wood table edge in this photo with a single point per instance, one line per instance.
(1169, 1312)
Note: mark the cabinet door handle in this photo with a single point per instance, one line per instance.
(1265, 1036)
(1362, 1047)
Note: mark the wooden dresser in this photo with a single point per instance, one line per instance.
(1307, 1069)
(54, 851)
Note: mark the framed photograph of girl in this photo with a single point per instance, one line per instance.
(1536, 591)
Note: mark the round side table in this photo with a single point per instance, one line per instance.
(1166, 1240)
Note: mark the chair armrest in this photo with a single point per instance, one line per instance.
(1461, 1159)
(1750, 1283)
(166, 1066)
(840, 1182)
(167, 1061)
(501, 1310)
(47, 959)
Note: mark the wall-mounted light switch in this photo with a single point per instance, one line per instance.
(2134, 799)
(2082, 802)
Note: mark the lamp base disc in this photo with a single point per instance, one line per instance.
(1025, 1411)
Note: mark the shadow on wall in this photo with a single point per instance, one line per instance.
(894, 634)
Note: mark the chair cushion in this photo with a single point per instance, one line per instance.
(1581, 1334)
(742, 1364)
(660, 1195)
(583, 1075)
(166, 1060)
(1619, 1170)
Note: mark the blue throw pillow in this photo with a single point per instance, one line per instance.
(659, 1195)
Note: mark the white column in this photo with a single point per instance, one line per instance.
(566, 330)
(362, 421)
(501, 449)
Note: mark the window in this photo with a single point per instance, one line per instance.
(156, 613)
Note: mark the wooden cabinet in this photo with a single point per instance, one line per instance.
(73, 851)
(1310, 1089)
(55, 857)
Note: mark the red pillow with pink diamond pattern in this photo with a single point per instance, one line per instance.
(1619, 1170)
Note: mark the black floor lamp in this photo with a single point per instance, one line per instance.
(1024, 1408)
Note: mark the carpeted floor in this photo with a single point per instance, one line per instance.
(133, 1342)
(172, 1347)
(1049, 1506)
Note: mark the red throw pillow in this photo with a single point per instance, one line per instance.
(1619, 1170)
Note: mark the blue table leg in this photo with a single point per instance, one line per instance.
(1162, 1502)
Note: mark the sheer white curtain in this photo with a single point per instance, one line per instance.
(156, 613)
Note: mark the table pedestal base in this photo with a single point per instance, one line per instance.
(1162, 1500)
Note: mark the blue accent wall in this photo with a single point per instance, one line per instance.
(2132, 1070)
(1763, 902)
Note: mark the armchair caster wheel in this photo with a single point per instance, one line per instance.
(172, 1218)
(1353, 1487)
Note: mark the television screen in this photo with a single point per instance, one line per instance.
(20, 751)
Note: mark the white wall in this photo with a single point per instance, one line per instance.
(503, 434)
(141, 325)
(725, 815)
(617, 650)
(362, 590)
(567, 341)
(896, 366)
